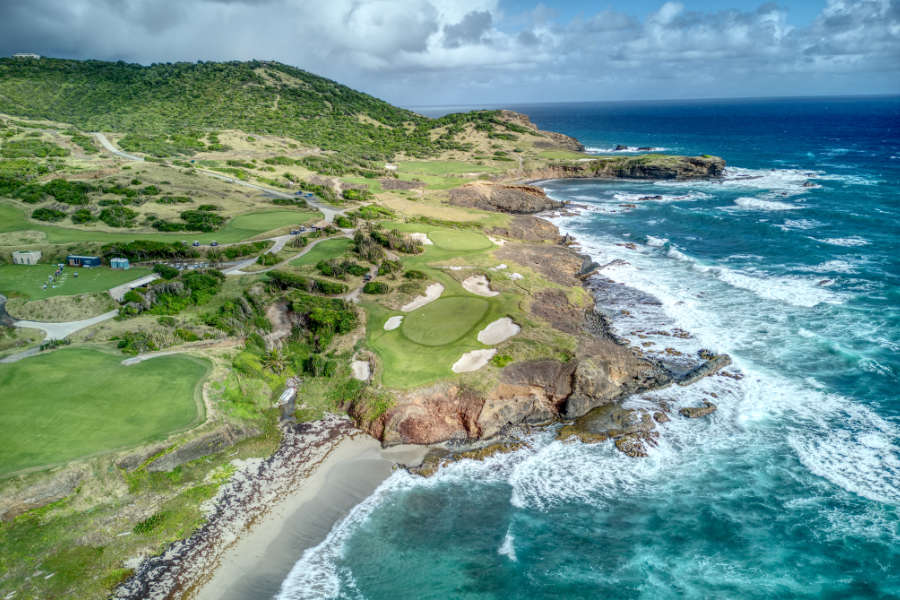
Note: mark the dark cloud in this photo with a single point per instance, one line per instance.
(471, 30)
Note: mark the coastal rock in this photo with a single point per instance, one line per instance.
(712, 364)
(630, 429)
(516, 199)
(554, 139)
(643, 166)
(48, 491)
(620, 147)
(696, 412)
(438, 457)
(204, 445)
(435, 414)
(529, 229)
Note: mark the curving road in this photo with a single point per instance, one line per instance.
(109, 146)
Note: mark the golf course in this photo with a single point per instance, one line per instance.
(77, 402)
(28, 280)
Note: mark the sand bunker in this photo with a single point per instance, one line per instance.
(499, 267)
(498, 331)
(478, 284)
(516, 276)
(360, 369)
(497, 241)
(432, 293)
(474, 360)
(393, 323)
(421, 237)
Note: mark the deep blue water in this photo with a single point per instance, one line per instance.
(791, 489)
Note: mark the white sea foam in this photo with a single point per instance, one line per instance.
(767, 205)
(801, 224)
(833, 266)
(655, 242)
(628, 149)
(848, 242)
(507, 548)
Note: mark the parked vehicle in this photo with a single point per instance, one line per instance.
(196, 243)
(214, 243)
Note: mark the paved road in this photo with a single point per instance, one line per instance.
(57, 331)
(108, 145)
(119, 291)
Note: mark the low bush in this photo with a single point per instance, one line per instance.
(48, 214)
(165, 271)
(376, 287)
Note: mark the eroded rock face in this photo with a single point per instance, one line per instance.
(50, 490)
(631, 429)
(438, 457)
(435, 414)
(637, 167)
(204, 445)
(529, 229)
(516, 199)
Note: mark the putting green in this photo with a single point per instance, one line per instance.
(450, 239)
(28, 280)
(444, 321)
(75, 402)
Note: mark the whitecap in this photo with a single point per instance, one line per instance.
(767, 205)
(627, 149)
(849, 242)
(655, 242)
(507, 548)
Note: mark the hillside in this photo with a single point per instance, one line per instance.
(195, 98)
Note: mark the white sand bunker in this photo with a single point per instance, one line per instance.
(516, 276)
(360, 369)
(497, 241)
(421, 237)
(498, 331)
(432, 293)
(393, 323)
(474, 360)
(479, 284)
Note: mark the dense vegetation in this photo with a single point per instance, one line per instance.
(194, 100)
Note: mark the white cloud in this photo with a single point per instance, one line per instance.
(469, 50)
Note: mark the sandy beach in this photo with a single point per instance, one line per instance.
(256, 564)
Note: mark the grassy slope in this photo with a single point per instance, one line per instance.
(28, 279)
(239, 228)
(323, 251)
(76, 402)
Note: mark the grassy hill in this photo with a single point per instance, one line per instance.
(171, 107)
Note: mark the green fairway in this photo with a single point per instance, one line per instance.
(323, 251)
(445, 320)
(75, 402)
(28, 280)
(239, 228)
(460, 240)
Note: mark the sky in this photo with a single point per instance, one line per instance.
(459, 52)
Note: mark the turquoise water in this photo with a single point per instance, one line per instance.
(791, 489)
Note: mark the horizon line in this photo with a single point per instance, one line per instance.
(634, 100)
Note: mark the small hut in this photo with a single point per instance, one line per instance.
(119, 263)
(26, 257)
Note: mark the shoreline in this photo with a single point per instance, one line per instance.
(256, 564)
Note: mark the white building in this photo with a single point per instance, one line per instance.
(26, 257)
(26, 55)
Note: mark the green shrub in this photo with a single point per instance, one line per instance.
(165, 271)
(376, 287)
(201, 220)
(48, 214)
(187, 335)
(82, 215)
(31, 193)
(268, 260)
(389, 266)
(150, 524)
(173, 200)
(31, 147)
(167, 321)
(69, 192)
(414, 274)
(501, 360)
(343, 222)
(118, 216)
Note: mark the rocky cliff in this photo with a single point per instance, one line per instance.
(516, 199)
(645, 166)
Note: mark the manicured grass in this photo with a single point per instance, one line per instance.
(241, 227)
(445, 320)
(75, 402)
(324, 251)
(28, 279)
(464, 241)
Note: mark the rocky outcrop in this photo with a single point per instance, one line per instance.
(529, 229)
(204, 445)
(554, 139)
(712, 365)
(630, 429)
(647, 166)
(516, 199)
(438, 457)
(50, 490)
(696, 412)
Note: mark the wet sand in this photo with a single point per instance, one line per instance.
(256, 564)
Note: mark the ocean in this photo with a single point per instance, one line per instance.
(791, 264)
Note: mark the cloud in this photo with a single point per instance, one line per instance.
(444, 51)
